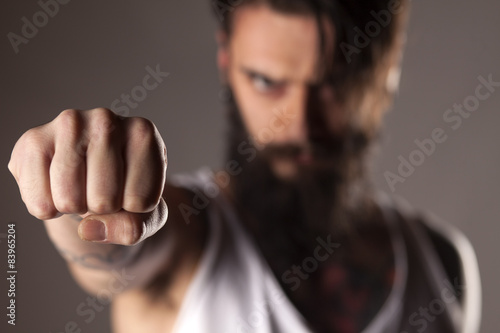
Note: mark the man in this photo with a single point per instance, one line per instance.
(289, 236)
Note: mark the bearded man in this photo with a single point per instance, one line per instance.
(289, 236)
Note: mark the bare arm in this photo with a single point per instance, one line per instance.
(97, 181)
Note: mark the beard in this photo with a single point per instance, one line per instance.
(328, 198)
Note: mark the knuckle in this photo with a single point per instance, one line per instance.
(32, 144)
(103, 206)
(133, 232)
(142, 130)
(42, 210)
(31, 138)
(103, 122)
(68, 125)
(103, 112)
(138, 203)
(69, 206)
(68, 118)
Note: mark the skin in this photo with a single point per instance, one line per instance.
(86, 170)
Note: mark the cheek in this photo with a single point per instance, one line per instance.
(255, 110)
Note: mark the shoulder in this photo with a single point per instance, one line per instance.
(452, 248)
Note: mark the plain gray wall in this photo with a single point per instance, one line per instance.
(92, 51)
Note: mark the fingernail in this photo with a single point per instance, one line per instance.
(93, 230)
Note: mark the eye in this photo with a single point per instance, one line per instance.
(262, 83)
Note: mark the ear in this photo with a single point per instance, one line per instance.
(222, 53)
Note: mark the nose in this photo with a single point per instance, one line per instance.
(292, 114)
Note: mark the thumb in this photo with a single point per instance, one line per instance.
(123, 227)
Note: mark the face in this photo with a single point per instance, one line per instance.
(272, 64)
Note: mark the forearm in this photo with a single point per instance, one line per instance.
(97, 266)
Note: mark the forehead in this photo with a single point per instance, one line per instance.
(284, 46)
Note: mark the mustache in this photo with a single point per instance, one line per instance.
(326, 150)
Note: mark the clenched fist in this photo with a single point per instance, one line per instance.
(108, 169)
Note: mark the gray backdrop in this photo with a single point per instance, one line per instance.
(90, 52)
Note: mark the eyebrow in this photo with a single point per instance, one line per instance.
(253, 72)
